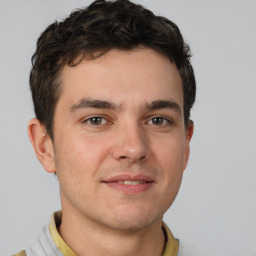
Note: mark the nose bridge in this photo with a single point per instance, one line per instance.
(131, 142)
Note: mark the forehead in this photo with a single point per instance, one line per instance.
(139, 75)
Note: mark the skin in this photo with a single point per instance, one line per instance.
(133, 134)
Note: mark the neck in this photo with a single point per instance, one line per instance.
(88, 238)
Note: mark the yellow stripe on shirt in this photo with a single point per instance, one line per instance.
(62, 246)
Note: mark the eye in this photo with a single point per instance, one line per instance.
(96, 120)
(159, 121)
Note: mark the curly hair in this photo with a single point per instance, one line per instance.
(92, 31)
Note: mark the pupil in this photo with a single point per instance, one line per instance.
(96, 120)
(157, 120)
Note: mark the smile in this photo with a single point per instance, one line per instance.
(130, 184)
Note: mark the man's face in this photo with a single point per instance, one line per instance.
(120, 145)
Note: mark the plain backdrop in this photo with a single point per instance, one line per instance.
(216, 206)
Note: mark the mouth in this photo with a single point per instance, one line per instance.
(130, 184)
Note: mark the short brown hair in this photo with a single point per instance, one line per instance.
(102, 26)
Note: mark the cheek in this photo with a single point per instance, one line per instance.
(80, 156)
(170, 154)
(171, 158)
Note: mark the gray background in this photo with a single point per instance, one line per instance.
(216, 206)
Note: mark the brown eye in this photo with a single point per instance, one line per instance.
(157, 121)
(97, 120)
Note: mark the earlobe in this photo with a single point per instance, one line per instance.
(189, 134)
(42, 144)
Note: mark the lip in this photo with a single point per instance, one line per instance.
(130, 189)
(124, 177)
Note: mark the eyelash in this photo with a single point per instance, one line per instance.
(165, 121)
(89, 120)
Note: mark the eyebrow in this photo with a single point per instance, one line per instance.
(100, 104)
(161, 104)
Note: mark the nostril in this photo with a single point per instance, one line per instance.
(132, 158)
(133, 152)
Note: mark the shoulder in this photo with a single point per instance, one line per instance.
(21, 253)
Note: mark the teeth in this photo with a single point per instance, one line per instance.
(131, 182)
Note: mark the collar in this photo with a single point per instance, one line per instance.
(171, 246)
(53, 228)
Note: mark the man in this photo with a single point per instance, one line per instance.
(112, 87)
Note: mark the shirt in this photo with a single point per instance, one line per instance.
(51, 243)
(171, 247)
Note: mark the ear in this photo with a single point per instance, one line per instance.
(42, 144)
(189, 134)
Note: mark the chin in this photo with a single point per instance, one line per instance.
(132, 220)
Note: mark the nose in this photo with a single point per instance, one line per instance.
(131, 144)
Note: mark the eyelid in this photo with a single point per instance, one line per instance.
(86, 120)
(167, 119)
